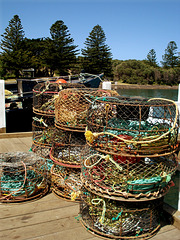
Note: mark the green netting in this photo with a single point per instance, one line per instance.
(148, 184)
(13, 182)
(145, 127)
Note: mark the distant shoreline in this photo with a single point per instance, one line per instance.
(137, 86)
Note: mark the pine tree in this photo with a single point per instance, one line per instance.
(151, 57)
(60, 51)
(14, 57)
(170, 58)
(97, 55)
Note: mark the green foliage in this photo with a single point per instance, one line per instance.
(141, 72)
(13, 57)
(60, 53)
(151, 58)
(97, 55)
(170, 58)
(36, 49)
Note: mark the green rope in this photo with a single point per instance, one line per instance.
(116, 218)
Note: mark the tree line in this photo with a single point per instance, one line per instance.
(59, 55)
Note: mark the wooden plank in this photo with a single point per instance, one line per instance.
(12, 210)
(3, 146)
(15, 144)
(173, 234)
(38, 217)
(38, 230)
(19, 145)
(27, 141)
(82, 234)
(15, 135)
(47, 198)
(78, 233)
(11, 145)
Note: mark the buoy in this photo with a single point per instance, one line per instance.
(61, 80)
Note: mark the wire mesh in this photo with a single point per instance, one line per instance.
(131, 178)
(66, 182)
(133, 127)
(72, 104)
(41, 150)
(43, 130)
(44, 152)
(23, 176)
(66, 148)
(44, 95)
(120, 220)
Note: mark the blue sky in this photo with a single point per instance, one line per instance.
(132, 27)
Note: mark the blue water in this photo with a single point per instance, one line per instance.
(150, 93)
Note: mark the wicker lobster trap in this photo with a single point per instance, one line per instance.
(23, 177)
(120, 220)
(43, 130)
(133, 126)
(66, 148)
(44, 152)
(40, 150)
(44, 95)
(72, 104)
(128, 178)
(66, 183)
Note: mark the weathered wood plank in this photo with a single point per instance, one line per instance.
(173, 234)
(12, 145)
(48, 197)
(38, 217)
(73, 234)
(16, 135)
(82, 234)
(27, 141)
(15, 144)
(49, 217)
(3, 146)
(38, 230)
(11, 210)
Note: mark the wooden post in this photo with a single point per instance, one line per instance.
(2, 108)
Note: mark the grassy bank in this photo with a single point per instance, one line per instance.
(137, 86)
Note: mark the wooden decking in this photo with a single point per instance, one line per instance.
(48, 218)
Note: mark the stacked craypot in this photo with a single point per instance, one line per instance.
(127, 165)
(71, 108)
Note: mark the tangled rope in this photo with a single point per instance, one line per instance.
(25, 176)
(41, 120)
(97, 201)
(107, 157)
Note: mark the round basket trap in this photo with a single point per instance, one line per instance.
(23, 176)
(66, 183)
(41, 150)
(43, 130)
(120, 220)
(44, 95)
(133, 126)
(131, 178)
(66, 148)
(72, 104)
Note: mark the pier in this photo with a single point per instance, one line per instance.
(50, 217)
